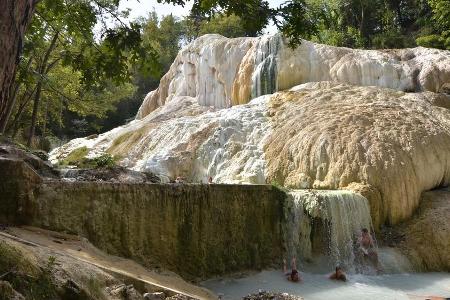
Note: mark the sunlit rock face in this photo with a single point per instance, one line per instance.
(332, 136)
(222, 72)
(426, 238)
(355, 129)
(184, 139)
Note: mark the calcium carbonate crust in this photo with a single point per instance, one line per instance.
(222, 72)
(336, 136)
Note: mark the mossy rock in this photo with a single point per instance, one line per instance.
(78, 158)
(75, 157)
(121, 145)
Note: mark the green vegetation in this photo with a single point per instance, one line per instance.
(12, 259)
(25, 275)
(104, 160)
(94, 288)
(43, 286)
(278, 186)
(6, 291)
(120, 140)
(122, 144)
(352, 23)
(78, 158)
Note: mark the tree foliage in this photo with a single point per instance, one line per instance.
(83, 69)
(292, 18)
(352, 23)
(439, 35)
(65, 66)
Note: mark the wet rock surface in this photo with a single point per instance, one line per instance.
(110, 174)
(155, 296)
(198, 223)
(102, 204)
(263, 295)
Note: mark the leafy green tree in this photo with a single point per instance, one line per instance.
(439, 35)
(441, 11)
(62, 34)
(293, 17)
(230, 26)
(67, 27)
(163, 34)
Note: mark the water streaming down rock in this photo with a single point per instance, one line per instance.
(325, 222)
(264, 78)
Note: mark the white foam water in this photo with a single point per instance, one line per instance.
(340, 214)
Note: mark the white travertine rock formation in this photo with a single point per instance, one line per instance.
(222, 72)
(183, 139)
(386, 144)
(358, 130)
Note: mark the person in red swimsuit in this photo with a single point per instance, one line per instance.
(368, 249)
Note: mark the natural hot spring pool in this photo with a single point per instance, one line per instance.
(317, 286)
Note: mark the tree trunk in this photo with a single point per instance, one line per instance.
(22, 104)
(43, 69)
(15, 15)
(44, 126)
(37, 98)
(361, 25)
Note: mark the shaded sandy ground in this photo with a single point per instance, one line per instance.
(74, 247)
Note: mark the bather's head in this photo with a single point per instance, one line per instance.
(295, 276)
(340, 275)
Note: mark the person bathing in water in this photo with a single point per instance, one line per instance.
(338, 275)
(294, 275)
(367, 248)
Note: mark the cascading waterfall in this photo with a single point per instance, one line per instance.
(264, 78)
(331, 218)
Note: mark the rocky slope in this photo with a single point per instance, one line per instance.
(63, 266)
(330, 136)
